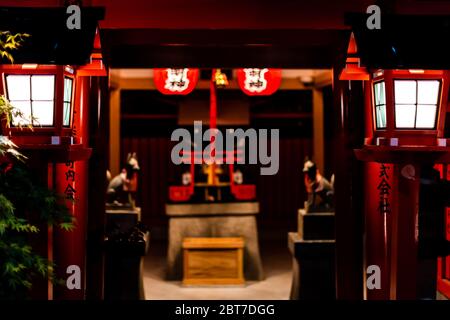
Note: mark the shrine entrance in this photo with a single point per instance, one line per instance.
(179, 201)
(264, 207)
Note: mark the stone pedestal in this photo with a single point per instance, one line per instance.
(313, 252)
(214, 220)
(121, 218)
(124, 259)
(124, 269)
(313, 264)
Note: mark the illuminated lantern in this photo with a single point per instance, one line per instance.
(45, 96)
(259, 82)
(175, 81)
(408, 108)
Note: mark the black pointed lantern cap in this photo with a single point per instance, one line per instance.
(51, 42)
(403, 42)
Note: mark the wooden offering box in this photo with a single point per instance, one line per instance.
(213, 261)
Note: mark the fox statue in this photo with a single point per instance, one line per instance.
(121, 187)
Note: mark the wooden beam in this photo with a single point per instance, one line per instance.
(323, 79)
(147, 84)
(114, 133)
(318, 129)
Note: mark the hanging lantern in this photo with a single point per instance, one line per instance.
(175, 81)
(220, 79)
(259, 82)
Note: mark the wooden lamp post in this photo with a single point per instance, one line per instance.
(52, 82)
(57, 149)
(405, 113)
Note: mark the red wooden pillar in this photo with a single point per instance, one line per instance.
(378, 226)
(405, 234)
(98, 140)
(70, 180)
(392, 236)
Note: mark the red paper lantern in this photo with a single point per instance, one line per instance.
(175, 81)
(259, 82)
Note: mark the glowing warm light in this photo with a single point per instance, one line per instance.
(69, 69)
(416, 71)
(29, 66)
(34, 96)
(416, 103)
(220, 79)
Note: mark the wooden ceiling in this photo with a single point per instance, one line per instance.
(232, 33)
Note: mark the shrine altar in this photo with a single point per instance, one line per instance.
(215, 220)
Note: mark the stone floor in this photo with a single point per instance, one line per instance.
(277, 267)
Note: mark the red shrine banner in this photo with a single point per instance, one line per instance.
(175, 81)
(259, 82)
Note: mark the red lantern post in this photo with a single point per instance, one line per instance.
(54, 99)
(406, 109)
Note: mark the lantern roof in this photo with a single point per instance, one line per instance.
(51, 42)
(403, 42)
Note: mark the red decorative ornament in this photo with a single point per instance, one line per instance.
(259, 82)
(175, 81)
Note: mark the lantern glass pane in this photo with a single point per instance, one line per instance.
(66, 120)
(68, 83)
(427, 92)
(380, 97)
(405, 115)
(405, 91)
(42, 87)
(18, 87)
(381, 116)
(34, 96)
(25, 108)
(43, 111)
(380, 104)
(426, 116)
(67, 90)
